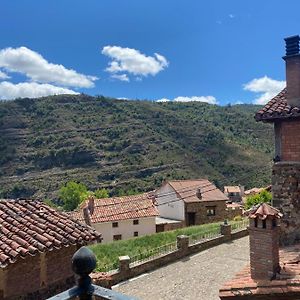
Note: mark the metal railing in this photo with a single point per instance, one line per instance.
(239, 225)
(83, 263)
(200, 237)
(153, 253)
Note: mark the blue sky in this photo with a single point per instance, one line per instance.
(217, 51)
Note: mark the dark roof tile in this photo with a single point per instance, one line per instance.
(277, 108)
(30, 226)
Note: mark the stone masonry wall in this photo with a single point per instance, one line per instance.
(200, 208)
(38, 277)
(286, 197)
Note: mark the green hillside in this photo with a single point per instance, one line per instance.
(127, 145)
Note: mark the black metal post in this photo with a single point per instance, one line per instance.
(83, 263)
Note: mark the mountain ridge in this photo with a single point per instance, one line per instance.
(127, 145)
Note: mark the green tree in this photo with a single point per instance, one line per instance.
(262, 197)
(72, 194)
(101, 193)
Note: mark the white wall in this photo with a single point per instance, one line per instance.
(172, 209)
(126, 228)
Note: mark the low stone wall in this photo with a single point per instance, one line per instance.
(183, 249)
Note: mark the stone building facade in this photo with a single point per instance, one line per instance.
(284, 111)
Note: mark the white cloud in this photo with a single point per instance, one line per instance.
(3, 75)
(34, 66)
(267, 87)
(133, 61)
(122, 77)
(207, 99)
(163, 100)
(122, 98)
(231, 16)
(10, 91)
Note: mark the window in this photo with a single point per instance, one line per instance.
(210, 210)
(117, 237)
(115, 224)
(135, 222)
(136, 233)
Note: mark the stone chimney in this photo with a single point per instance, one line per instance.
(292, 61)
(91, 204)
(264, 241)
(87, 216)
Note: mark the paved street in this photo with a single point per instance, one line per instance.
(196, 277)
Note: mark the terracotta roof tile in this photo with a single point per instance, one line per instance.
(187, 190)
(277, 108)
(232, 189)
(120, 208)
(29, 226)
(262, 211)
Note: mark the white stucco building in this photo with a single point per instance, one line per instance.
(119, 218)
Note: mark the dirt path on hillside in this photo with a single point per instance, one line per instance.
(196, 277)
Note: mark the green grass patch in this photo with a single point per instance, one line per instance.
(107, 254)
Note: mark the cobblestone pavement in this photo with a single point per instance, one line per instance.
(196, 277)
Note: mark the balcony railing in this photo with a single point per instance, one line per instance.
(83, 263)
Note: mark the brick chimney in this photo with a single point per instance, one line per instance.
(292, 61)
(264, 241)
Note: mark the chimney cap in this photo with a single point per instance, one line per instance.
(263, 211)
(292, 45)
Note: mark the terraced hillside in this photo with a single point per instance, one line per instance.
(127, 145)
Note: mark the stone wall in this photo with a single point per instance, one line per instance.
(38, 277)
(200, 210)
(286, 197)
(183, 249)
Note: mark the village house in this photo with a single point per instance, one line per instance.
(119, 218)
(192, 202)
(36, 246)
(234, 193)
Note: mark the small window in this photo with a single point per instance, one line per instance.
(255, 222)
(115, 224)
(264, 224)
(117, 237)
(211, 211)
(135, 222)
(136, 233)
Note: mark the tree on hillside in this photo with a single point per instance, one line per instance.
(101, 193)
(72, 194)
(262, 197)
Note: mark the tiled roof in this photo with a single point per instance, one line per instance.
(277, 108)
(187, 190)
(285, 285)
(29, 226)
(120, 208)
(232, 189)
(262, 211)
